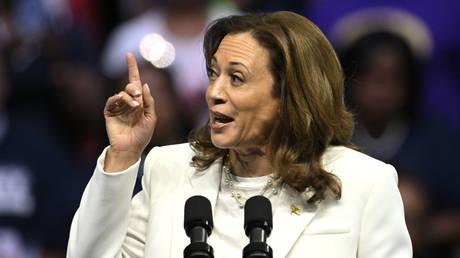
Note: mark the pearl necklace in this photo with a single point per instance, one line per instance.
(239, 196)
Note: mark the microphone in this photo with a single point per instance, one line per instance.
(258, 224)
(198, 226)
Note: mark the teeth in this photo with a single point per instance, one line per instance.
(220, 119)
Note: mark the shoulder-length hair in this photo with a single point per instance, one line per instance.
(309, 84)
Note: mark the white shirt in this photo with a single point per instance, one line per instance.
(228, 237)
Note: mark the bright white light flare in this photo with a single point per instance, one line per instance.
(155, 49)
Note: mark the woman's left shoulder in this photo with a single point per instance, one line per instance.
(347, 163)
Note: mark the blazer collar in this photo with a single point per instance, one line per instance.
(205, 183)
(290, 216)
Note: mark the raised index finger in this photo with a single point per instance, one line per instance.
(133, 70)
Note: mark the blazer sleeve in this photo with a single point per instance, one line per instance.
(383, 231)
(108, 223)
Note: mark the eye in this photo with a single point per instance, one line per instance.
(236, 78)
(211, 73)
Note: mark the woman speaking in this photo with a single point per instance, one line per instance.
(278, 127)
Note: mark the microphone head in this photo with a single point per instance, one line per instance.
(197, 212)
(258, 213)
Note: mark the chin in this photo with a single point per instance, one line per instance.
(220, 141)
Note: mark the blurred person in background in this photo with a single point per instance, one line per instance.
(48, 126)
(383, 83)
(77, 88)
(440, 82)
(33, 170)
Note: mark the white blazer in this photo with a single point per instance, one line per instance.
(367, 222)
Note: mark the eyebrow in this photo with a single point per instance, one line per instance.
(238, 63)
(232, 63)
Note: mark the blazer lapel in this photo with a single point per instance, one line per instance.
(205, 183)
(289, 221)
(290, 216)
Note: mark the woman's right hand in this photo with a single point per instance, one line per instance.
(130, 121)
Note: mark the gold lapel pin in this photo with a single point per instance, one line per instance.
(295, 210)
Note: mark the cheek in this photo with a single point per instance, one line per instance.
(258, 119)
(207, 98)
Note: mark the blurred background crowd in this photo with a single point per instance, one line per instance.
(61, 59)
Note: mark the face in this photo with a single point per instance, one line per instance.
(242, 106)
(382, 90)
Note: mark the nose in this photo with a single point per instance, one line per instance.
(215, 94)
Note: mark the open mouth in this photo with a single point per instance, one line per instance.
(221, 119)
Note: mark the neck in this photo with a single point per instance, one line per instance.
(250, 163)
(375, 126)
